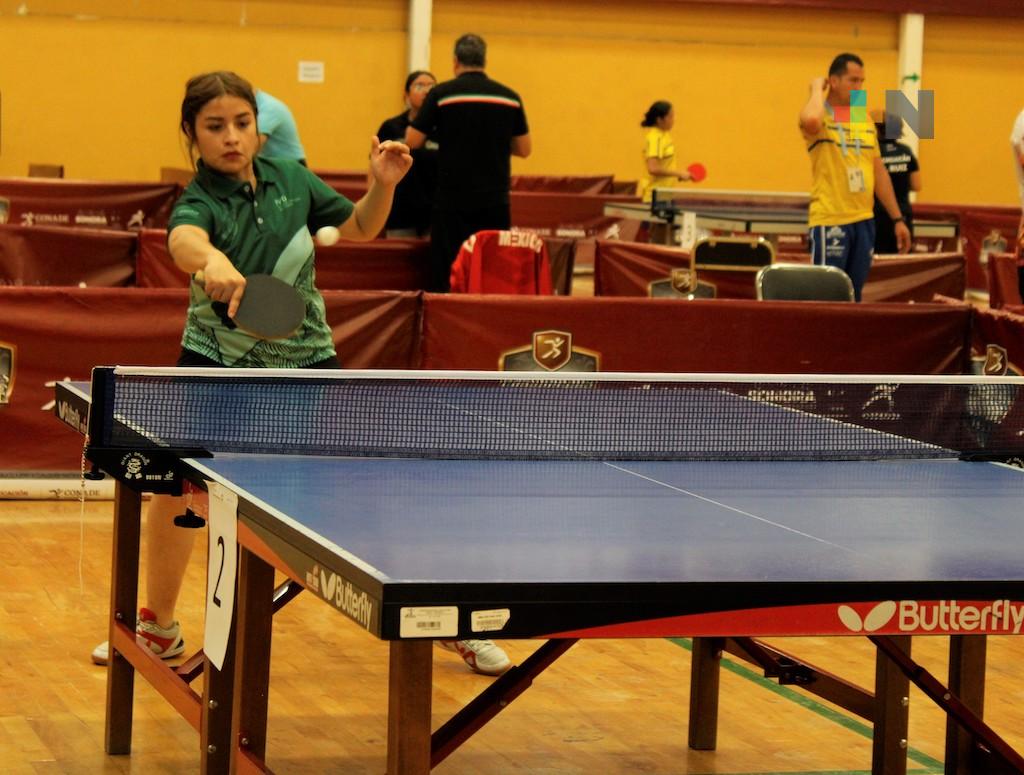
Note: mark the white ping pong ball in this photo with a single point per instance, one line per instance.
(328, 235)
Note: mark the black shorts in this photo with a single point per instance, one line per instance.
(192, 358)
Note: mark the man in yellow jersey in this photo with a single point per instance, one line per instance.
(847, 173)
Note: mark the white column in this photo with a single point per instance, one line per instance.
(420, 16)
(910, 63)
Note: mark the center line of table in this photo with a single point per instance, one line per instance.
(712, 501)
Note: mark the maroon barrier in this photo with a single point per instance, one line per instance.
(977, 224)
(46, 255)
(342, 177)
(628, 268)
(548, 213)
(562, 257)
(61, 333)
(482, 332)
(389, 264)
(569, 184)
(980, 227)
(1001, 327)
(916, 277)
(154, 268)
(88, 204)
(564, 215)
(1003, 280)
(351, 184)
(572, 184)
(393, 265)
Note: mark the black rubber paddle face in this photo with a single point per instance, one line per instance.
(270, 308)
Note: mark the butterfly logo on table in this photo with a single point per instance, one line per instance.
(879, 616)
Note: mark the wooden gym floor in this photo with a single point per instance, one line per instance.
(606, 707)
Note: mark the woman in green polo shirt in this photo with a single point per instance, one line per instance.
(243, 215)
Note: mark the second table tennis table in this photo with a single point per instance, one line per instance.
(592, 545)
(768, 213)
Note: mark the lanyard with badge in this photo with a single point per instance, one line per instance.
(854, 175)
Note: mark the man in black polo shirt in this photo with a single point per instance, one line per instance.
(477, 124)
(900, 161)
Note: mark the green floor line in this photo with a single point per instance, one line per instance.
(934, 766)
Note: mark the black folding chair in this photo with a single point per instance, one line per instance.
(803, 282)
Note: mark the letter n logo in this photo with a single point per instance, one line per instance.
(921, 119)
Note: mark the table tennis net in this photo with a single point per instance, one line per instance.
(603, 417)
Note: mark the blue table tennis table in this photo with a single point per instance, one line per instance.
(413, 549)
(769, 213)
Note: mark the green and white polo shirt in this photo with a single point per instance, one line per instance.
(263, 231)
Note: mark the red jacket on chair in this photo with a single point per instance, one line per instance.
(502, 262)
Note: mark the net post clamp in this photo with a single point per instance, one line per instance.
(152, 470)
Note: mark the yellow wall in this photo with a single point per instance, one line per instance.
(587, 71)
(96, 85)
(976, 67)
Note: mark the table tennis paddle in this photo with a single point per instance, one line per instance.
(697, 172)
(270, 308)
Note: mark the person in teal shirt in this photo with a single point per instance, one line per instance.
(279, 136)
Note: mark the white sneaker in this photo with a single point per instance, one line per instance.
(166, 643)
(482, 656)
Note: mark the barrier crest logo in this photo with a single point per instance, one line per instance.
(552, 349)
(7, 358)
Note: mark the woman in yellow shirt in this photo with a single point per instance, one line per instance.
(659, 151)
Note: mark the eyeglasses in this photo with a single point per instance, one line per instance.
(421, 87)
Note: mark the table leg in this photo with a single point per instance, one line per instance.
(216, 741)
(410, 683)
(124, 591)
(966, 681)
(892, 713)
(254, 609)
(705, 671)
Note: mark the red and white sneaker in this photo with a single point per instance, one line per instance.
(482, 656)
(165, 642)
